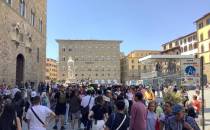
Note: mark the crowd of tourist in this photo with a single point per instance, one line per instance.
(94, 107)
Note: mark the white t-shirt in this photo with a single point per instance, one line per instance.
(151, 120)
(14, 91)
(85, 101)
(126, 103)
(130, 96)
(42, 112)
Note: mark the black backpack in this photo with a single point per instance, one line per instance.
(185, 119)
(19, 107)
(191, 112)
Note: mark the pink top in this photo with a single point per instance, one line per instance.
(138, 116)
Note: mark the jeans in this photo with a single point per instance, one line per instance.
(67, 113)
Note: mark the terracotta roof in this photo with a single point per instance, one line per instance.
(202, 17)
(177, 47)
(179, 38)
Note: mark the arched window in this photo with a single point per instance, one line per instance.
(22, 7)
(181, 49)
(32, 18)
(202, 48)
(9, 2)
(37, 56)
(195, 45)
(209, 34)
(209, 57)
(201, 37)
(64, 58)
(209, 46)
(40, 25)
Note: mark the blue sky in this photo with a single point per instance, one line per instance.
(140, 24)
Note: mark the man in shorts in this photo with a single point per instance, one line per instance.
(60, 109)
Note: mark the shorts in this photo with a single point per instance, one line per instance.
(76, 115)
(60, 109)
(99, 125)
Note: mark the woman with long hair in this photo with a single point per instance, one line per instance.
(98, 114)
(9, 119)
(19, 104)
(152, 117)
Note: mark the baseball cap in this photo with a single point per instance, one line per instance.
(108, 91)
(177, 108)
(147, 87)
(7, 92)
(33, 94)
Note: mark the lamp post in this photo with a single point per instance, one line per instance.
(202, 89)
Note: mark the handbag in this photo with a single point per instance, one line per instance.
(85, 110)
(157, 125)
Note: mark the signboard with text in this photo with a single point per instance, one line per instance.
(190, 72)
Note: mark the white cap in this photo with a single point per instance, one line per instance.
(108, 91)
(7, 92)
(43, 94)
(33, 94)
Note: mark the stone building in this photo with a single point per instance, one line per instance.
(96, 61)
(22, 41)
(203, 33)
(184, 45)
(131, 68)
(51, 70)
(196, 43)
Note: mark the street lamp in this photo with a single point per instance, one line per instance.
(202, 89)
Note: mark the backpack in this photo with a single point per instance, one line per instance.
(44, 101)
(191, 112)
(113, 121)
(62, 98)
(185, 119)
(19, 107)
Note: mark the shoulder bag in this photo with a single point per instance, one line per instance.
(37, 116)
(85, 110)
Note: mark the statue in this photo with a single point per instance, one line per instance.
(71, 71)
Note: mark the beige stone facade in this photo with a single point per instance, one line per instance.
(51, 70)
(22, 41)
(94, 60)
(203, 33)
(196, 43)
(185, 45)
(131, 68)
